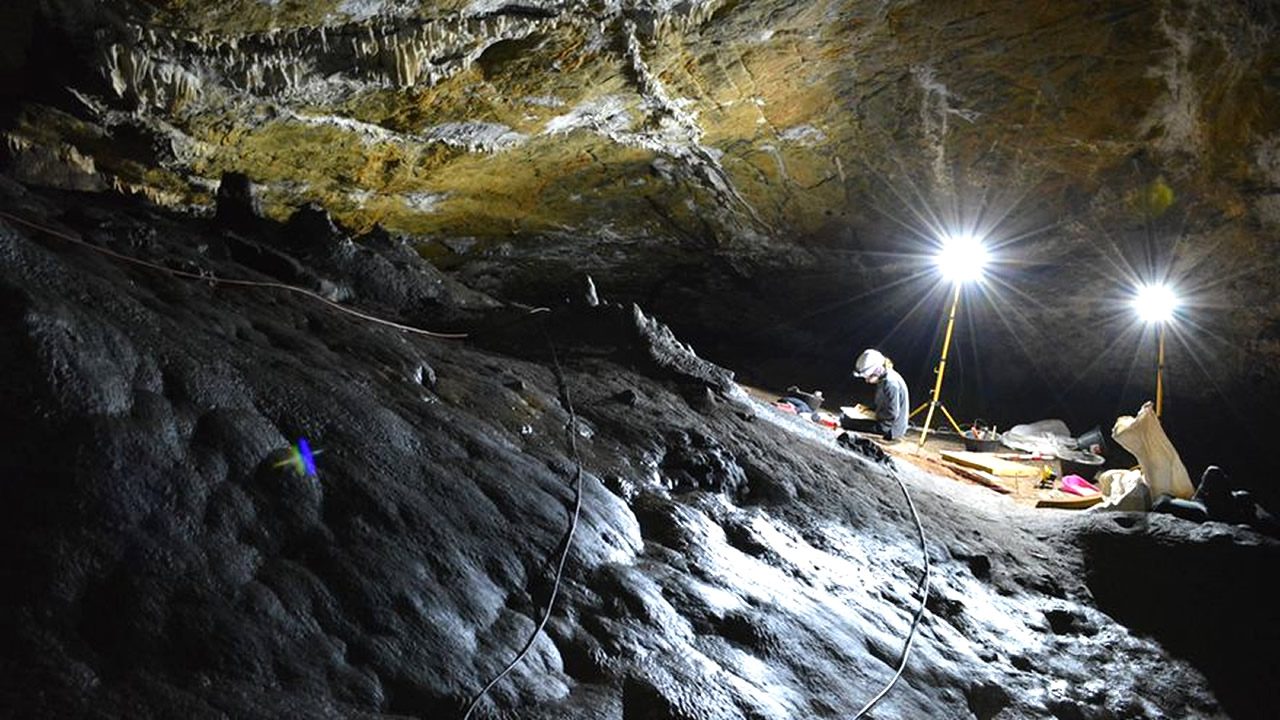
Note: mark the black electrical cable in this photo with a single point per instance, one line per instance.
(215, 280)
(568, 541)
(923, 589)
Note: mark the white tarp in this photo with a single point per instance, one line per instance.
(1048, 437)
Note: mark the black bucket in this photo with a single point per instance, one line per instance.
(981, 438)
(976, 445)
(1092, 442)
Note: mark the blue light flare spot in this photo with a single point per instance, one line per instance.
(308, 459)
(301, 459)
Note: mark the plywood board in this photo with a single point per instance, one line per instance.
(1000, 485)
(989, 463)
(1066, 500)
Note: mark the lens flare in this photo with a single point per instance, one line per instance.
(301, 459)
(962, 258)
(1155, 303)
(308, 458)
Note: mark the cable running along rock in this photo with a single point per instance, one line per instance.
(215, 280)
(572, 431)
(923, 589)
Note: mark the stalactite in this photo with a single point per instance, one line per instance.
(682, 19)
(161, 67)
(137, 78)
(15, 143)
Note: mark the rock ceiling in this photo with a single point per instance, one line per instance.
(824, 142)
(493, 117)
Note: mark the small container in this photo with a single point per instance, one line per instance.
(981, 438)
(975, 445)
(1086, 470)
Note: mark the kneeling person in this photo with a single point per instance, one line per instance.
(891, 403)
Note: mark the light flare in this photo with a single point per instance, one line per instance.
(301, 459)
(962, 258)
(1155, 303)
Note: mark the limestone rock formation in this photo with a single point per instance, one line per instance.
(756, 188)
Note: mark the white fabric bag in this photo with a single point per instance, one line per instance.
(1162, 469)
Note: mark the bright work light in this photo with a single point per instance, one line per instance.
(1155, 303)
(962, 258)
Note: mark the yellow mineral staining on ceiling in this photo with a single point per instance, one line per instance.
(776, 115)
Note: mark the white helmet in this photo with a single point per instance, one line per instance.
(868, 362)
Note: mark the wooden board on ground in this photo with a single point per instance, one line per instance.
(1068, 501)
(989, 463)
(999, 484)
(1022, 490)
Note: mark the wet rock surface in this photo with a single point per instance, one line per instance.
(729, 562)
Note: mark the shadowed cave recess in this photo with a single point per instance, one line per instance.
(339, 337)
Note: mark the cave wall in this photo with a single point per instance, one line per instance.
(727, 561)
(787, 162)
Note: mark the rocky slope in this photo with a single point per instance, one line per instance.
(790, 162)
(727, 562)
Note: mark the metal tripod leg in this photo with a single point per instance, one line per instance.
(954, 424)
(942, 368)
(947, 413)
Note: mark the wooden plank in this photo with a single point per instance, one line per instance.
(989, 463)
(995, 483)
(1064, 500)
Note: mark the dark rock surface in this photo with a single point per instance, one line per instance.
(763, 180)
(770, 177)
(730, 562)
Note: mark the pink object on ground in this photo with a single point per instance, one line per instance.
(1077, 485)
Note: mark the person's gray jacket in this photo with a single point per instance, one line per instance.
(892, 405)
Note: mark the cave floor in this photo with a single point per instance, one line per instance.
(1023, 491)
